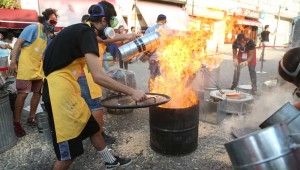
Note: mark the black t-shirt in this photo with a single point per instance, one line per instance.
(265, 36)
(250, 45)
(70, 44)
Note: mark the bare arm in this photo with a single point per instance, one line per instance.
(234, 52)
(14, 53)
(251, 54)
(297, 105)
(121, 37)
(101, 78)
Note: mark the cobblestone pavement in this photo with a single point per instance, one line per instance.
(132, 130)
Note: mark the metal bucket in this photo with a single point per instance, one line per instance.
(285, 114)
(174, 131)
(43, 127)
(264, 150)
(7, 134)
(148, 42)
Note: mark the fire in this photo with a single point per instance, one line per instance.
(181, 55)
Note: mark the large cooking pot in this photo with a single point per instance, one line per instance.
(269, 148)
(285, 114)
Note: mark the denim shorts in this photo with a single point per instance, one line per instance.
(94, 104)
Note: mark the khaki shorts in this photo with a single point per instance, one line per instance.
(27, 86)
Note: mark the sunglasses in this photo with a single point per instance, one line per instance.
(52, 22)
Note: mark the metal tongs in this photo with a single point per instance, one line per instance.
(212, 80)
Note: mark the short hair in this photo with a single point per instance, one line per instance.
(266, 27)
(290, 61)
(95, 12)
(161, 17)
(240, 37)
(85, 18)
(45, 15)
(132, 28)
(121, 26)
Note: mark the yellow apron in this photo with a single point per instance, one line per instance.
(30, 61)
(95, 89)
(70, 111)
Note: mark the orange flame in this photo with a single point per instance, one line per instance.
(181, 55)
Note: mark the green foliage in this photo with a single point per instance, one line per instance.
(10, 4)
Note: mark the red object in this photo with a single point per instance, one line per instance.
(17, 18)
(253, 60)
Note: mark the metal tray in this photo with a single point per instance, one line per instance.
(126, 102)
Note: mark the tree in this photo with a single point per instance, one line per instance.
(10, 4)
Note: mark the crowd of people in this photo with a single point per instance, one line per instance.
(72, 63)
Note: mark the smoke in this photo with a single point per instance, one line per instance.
(263, 106)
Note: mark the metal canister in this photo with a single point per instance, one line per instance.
(43, 127)
(148, 42)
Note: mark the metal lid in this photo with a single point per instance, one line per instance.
(126, 102)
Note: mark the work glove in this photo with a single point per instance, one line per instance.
(244, 64)
(235, 62)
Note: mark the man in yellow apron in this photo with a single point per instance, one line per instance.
(31, 45)
(70, 118)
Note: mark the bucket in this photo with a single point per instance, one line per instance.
(264, 150)
(7, 134)
(174, 131)
(43, 127)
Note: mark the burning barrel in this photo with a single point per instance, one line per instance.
(174, 131)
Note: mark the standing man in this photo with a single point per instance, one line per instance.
(244, 54)
(70, 118)
(31, 45)
(264, 36)
(154, 59)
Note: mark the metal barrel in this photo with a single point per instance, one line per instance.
(269, 148)
(7, 135)
(145, 43)
(174, 131)
(43, 127)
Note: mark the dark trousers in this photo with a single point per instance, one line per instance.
(236, 77)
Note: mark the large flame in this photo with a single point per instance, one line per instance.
(181, 55)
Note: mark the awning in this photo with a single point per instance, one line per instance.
(177, 18)
(249, 22)
(17, 18)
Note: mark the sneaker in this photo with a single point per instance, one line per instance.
(119, 162)
(31, 121)
(19, 129)
(108, 139)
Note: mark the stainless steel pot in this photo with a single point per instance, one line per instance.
(285, 114)
(266, 149)
(148, 42)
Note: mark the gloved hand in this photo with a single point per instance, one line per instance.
(235, 62)
(244, 64)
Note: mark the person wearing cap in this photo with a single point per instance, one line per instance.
(244, 54)
(30, 47)
(70, 118)
(289, 68)
(154, 58)
(92, 92)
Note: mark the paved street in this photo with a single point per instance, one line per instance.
(132, 129)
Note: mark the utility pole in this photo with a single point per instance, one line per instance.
(278, 15)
